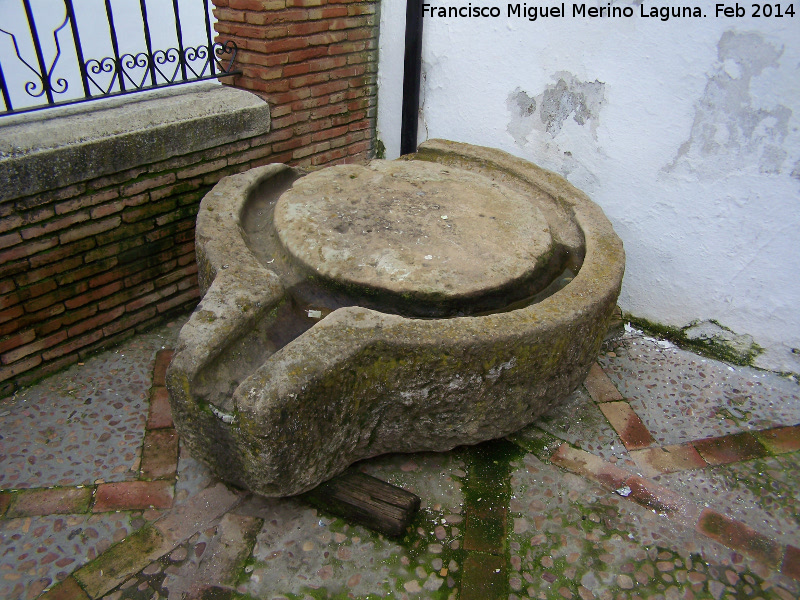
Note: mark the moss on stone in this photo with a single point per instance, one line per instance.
(707, 347)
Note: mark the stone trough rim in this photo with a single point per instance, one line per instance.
(226, 261)
(581, 287)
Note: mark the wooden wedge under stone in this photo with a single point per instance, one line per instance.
(363, 499)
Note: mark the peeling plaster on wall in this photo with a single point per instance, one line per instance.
(729, 132)
(796, 170)
(547, 112)
(712, 239)
(568, 101)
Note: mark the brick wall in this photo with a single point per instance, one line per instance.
(315, 62)
(87, 265)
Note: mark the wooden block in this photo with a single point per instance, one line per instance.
(368, 501)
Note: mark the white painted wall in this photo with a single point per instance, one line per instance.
(686, 132)
(95, 40)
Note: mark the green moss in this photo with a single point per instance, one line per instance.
(380, 150)
(536, 441)
(707, 347)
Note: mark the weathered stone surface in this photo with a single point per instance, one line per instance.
(410, 227)
(283, 378)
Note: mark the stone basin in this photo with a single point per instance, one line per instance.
(442, 299)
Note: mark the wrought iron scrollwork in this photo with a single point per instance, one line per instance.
(120, 73)
(44, 76)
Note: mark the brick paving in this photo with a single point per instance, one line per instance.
(668, 475)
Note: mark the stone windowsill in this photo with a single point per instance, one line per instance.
(58, 147)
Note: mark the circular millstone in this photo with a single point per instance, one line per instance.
(421, 230)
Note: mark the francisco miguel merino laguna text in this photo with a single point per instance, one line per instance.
(532, 13)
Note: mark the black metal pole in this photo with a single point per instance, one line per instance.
(78, 48)
(412, 72)
(38, 49)
(211, 58)
(149, 43)
(179, 35)
(112, 32)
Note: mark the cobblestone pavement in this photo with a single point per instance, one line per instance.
(666, 475)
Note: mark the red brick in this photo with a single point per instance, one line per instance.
(23, 351)
(730, 448)
(326, 111)
(25, 250)
(202, 169)
(126, 295)
(327, 157)
(329, 88)
(738, 536)
(791, 563)
(329, 133)
(307, 53)
(780, 440)
(36, 214)
(86, 201)
(360, 125)
(160, 414)
(257, 4)
(591, 466)
(266, 60)
(281, 16)
(138, 187)
(62, 252)
(130, 321)
(668, 459)
(361, 9)
(133, 495)
(483, 576)
(248, 31)
(163, 358)
(50, 501)
(97, 321)
(295, 69)
(7, 286)
(661, 499)
(10, 239)
(131, 215)
(279, 45)
(72, 345)
(5, 500)
(600, 387)
(65, 590)
(22, 322)
(8, 223)
(359, 152)
(159, 454)
(350, 23)
(226, 14)
(309, 150)
(19, 367)
(60, 293)
(12, 299)
(94, 228)
(297, 29)
(150, 298)
(17, 340)
(95, 294)
(191, 258)
(35, 275)
(54, 225)
(360, 34)
(328, 12)
(627, 424)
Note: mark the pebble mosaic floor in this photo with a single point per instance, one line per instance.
(667, 476)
